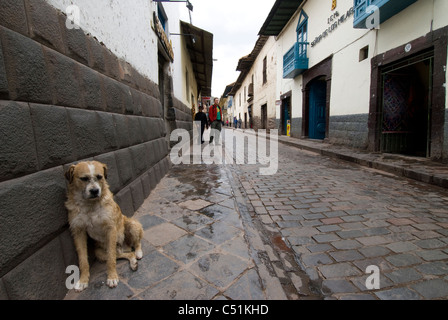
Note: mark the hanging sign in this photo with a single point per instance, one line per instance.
(167, 45)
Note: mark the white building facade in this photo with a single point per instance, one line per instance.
(254, 91)
(365, 74)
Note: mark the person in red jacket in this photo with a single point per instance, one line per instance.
(215, 118)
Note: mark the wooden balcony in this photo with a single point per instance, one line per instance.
(387, 9)
(295, 61)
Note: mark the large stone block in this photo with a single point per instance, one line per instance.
(107, 131)
(113, 176)
(54, 143)
(114, 95)
(151, 148)
(84, 126)
(137, 101)
(3, 293)
(137, 193)
(4, 91)
(92, 89)
(28, 78)
(66, 86)
(125, 165)
(75, 41)
(44, 25)
(40, 277)
(111, 64)
(124, 200)
(145, 124)
(32, 210)
(17, 147)
(96, 58)
(146, 184)
(122, 129)
(68, 248)
(136, 133)
(13, 16)
(140, 157)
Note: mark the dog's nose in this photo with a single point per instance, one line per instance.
(94, 192)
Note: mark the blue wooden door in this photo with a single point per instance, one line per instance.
(317, 111)
(286, 114)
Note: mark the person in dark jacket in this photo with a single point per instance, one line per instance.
(202, 117)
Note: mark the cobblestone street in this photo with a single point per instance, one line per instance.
(308, 232)
(339, 218)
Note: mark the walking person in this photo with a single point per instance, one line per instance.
(215, 118)
(202, 117)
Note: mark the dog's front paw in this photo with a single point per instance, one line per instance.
(80, 286)
(112, 283)
(138, 254)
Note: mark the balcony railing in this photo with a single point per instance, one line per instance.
(295, 61)
(387, 9)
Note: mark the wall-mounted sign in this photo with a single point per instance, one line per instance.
(333, 5)
(333, 21)
(158, 28)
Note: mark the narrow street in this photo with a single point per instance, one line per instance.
(223, 231)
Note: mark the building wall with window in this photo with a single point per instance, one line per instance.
(264, 70)
(352, 77)
(255, 95)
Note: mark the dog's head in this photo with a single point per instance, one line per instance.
(88, 178)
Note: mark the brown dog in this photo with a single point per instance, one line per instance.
(93, 212)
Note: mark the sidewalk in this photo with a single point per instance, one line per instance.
(420, 169)
(201, 244)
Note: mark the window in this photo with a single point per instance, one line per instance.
(363, 53)
(265, 66)
(302, 33)
(162, 17)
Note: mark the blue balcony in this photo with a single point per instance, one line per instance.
(387, 9)
(295, 61)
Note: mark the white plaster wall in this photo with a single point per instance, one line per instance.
(411, 23)
(265, 93)
(351, 79)
(125, 29)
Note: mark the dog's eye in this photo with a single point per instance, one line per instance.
(85, 179)
(99, 177)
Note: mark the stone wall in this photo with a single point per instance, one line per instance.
(349, 130)
(64, 97)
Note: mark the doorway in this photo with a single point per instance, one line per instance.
(317, 109)
(406, 106)
(285, 116)
(264, 116)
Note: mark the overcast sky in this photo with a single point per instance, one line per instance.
(235, 25)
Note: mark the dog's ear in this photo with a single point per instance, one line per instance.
(69, 173)
(105, 171)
